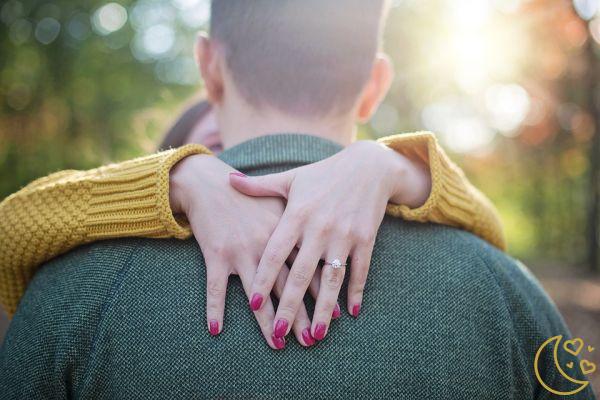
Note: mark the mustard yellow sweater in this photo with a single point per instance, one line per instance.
(59, 212)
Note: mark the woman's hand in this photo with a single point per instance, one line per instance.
(232, 230)
(334, 209)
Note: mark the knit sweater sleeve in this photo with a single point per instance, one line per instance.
(453, 201)
(54, 214)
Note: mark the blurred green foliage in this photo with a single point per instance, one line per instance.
(503, 83)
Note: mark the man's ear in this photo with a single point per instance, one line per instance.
(376, 88)
(209, 62)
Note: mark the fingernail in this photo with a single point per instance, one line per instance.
(307, 337)
(336, 312)
(213, 327)
(238, 174)
(256, 302)
(280, 328)
(279, 343)
(356, 310)
(320, 331)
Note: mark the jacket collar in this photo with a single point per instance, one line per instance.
(286, 150)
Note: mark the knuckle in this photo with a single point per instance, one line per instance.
(261, 280)
(220, 250)
(287, 310)
(215, 288)
(273, 257)
(300, 214)
(300, 277)
(344, 230)
(333, 279)
(327, 227)
(259, 237)
(363, 236)
(359, 276)
(328, 305)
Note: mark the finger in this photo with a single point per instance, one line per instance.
(313, 289)
(280, 245)
(360, 261)
(216, 289)
(297, 283)
(274, 185)
(265, 315)
(332, 278)
(301, 325)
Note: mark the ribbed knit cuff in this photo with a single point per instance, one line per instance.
(453, 200)
(421, 145)
(132, 198)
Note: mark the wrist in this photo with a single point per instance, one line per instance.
(184, 177)
(410, 180)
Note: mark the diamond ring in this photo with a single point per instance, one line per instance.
(335, 264)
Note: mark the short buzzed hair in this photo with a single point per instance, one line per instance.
(302, 57)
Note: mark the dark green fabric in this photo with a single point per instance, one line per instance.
(445, 316)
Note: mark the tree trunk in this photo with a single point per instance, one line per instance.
(593, 78)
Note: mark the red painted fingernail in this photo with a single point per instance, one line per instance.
(307, 337)
(336, 312)
(279, 343)
(280, 328)
(256, 302)
(213, 327)
(356, 310)
(238, 174)
(320, 331)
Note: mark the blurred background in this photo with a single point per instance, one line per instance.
(511, 87)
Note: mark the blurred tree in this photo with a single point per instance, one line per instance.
(75, 75)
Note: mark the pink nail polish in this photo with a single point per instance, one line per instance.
(336, 312)
(356, 310)
(280, 328)
(279, 343)
(239, 174)
(320, 331)
(256, 302)
(213, 327)
(307, 337)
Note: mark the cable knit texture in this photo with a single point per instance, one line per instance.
(57, 213)
(454, 200)
(54, 214)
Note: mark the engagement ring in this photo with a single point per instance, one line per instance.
(335, 264)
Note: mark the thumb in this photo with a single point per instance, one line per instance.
(274, 185)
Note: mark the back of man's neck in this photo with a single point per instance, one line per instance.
(242, 125)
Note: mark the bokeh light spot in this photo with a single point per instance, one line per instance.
(508, 106)
(47, 30)
(586, 8)
(78, 26)
(20, 31)
(109, 18)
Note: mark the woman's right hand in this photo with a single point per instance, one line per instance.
(232, 230)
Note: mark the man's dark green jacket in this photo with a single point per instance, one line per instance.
(445, 316)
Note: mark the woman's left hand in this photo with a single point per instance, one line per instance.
(334, 210)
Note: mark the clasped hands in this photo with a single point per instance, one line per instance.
(275, 231)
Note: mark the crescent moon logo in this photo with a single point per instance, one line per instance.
(557, 340)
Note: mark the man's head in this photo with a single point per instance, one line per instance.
(300, 58)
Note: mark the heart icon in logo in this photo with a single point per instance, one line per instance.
(590, 349)
(573, 346)
(570, 364)
(587, 367)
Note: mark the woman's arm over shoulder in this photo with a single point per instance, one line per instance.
(63, 210)
(453, 200)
